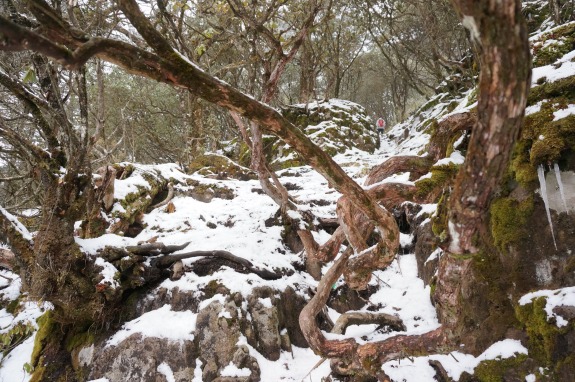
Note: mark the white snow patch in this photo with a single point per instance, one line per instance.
(159, 323)
(12, 365)
(434, 255)
(16, 224)
(266, 302)
(562, 113)
(108, 272)
(405, 240)
(428, 209)
(454, 158)
(233, 371)
(554, 72)
(166, 371)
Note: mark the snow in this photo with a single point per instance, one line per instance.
(427, 209)
(233, 371)
(557, 297)
(108, 272)
(454, 158)
(562, 113)
(562, 68)
(166, 371)
(155, 324)
(240, 229)
(16, 223)
(12, 366)
(405, 240)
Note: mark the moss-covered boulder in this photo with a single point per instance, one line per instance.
(335, 125)
(215, 165)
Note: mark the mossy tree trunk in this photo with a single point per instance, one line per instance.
(504, 83)
(53, 268)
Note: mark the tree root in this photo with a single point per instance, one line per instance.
(415, 165)
(365, 318)
(168, 199)
(158, 265)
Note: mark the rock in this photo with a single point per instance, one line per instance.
(289, 309)
(218, 332)
(334, 125)
(265, 320)
(425, 244)
(214, 165)
(137, 359)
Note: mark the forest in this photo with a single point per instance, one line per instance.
(197, 190)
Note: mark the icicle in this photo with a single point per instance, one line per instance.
(558, 176)
(543, 185)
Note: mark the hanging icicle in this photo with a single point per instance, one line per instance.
(558, 176)
(543, 188)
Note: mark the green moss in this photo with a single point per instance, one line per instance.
(524, 172)
(564, 87)
(509, 221)
(80, 339)
(440, 176)
(439, 221)
(451, 143)
(495, 370)
(563, 43)
(13, 306)
(46, 331)
(543, 335)
(544, 139)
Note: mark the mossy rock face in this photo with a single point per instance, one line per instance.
(334, 125)
(549, 138)
(441, 177)
(564, 87)
(506, 369)
(548, 343)
(215, 165)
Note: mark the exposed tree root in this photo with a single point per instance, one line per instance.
(156, 268)
(365, 318)
(169, 197)
(446, 130)
(416, 166)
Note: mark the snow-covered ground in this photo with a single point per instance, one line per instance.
(240, 228)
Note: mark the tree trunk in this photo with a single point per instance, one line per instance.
(505, 75)
(307, 74)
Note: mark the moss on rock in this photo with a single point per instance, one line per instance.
(495, 370)
(543, 335)
(440, 176)
(509, 221)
